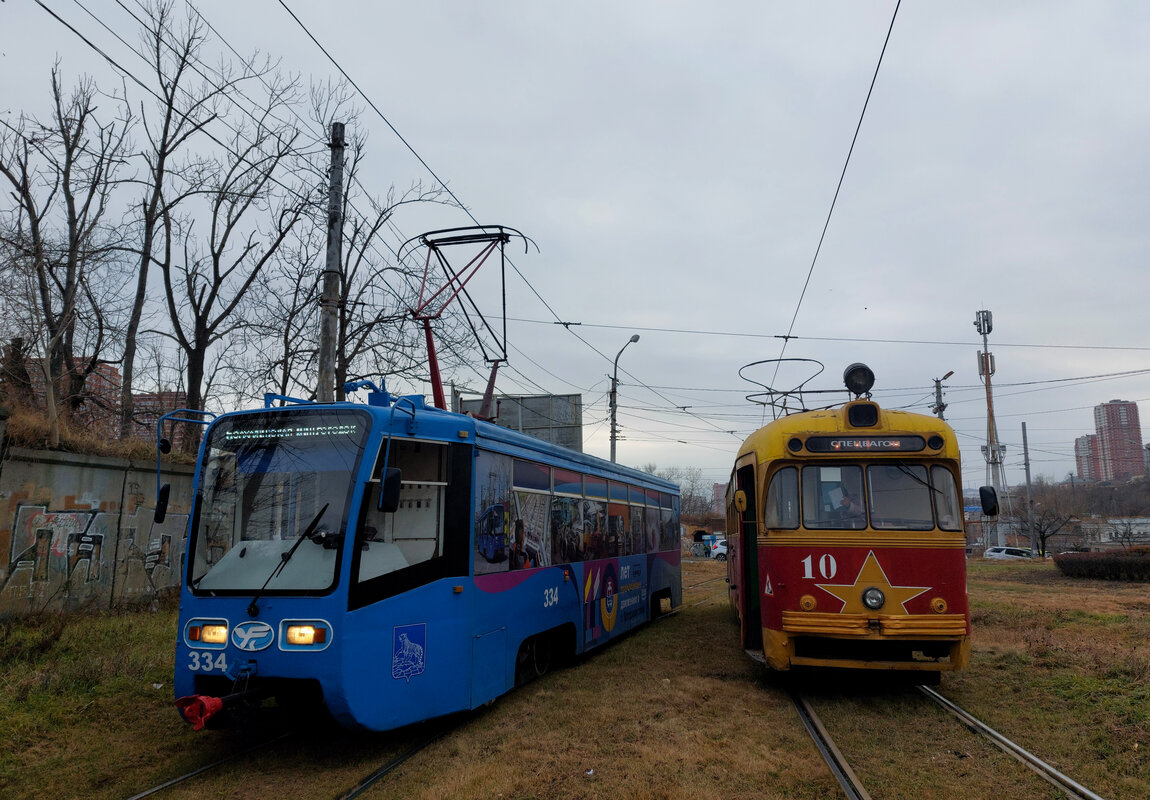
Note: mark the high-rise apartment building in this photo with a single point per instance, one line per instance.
(1086, 457)
(1119, 440)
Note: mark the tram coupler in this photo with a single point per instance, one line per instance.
(197, 709)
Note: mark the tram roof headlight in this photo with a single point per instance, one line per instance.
(858, 378)
(873, 598)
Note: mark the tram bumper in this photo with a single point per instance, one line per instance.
(934, 643)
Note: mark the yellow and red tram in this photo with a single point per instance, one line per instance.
(845, 540)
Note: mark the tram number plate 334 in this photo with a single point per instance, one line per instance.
(200, 661)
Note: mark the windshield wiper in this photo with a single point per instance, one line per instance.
(906, 471)
(285, 557)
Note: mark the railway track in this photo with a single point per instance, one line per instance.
(404, 752)
(853, 787)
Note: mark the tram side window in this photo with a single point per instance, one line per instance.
(946, 499)
(782, 506)
(833, 497)
(900, 497)
(413, 533)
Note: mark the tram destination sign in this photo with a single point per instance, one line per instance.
(859, 444)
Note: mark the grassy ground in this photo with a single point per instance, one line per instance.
(674, 711)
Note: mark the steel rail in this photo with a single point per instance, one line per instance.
(208, 767)
(1049, 773)
(366, 782)
(839, 767)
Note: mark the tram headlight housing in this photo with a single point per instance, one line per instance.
(305, 634)
(858, 379)
(210, 634)
(873, 598)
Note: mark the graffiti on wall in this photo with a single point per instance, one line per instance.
(79, 533)
(74, 559)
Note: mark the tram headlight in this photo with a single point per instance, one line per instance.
(209, 633)
(873, 598)
(858, 379)
(214, 634)
(304, 634)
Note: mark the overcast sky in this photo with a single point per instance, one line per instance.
(676, 163)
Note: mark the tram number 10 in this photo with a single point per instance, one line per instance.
(828, 567)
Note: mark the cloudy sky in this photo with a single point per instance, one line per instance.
(676, 163)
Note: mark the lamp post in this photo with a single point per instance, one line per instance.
(614, 388)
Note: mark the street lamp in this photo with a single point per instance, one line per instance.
(614, 387)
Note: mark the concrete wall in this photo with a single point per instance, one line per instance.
(78, 532)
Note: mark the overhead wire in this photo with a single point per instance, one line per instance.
(838, 188)
(432, 172)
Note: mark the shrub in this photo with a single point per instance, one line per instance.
(1127, 565)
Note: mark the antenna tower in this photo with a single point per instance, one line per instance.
(992, 451)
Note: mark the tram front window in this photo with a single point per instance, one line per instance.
(900, 497)
(833, 497)
(266, 480)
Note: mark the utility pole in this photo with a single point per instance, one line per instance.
(1029, 503)
(940, 406)
(614, 394)
(329, 300)
(992, 451)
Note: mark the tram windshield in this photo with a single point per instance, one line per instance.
(266, 480)
(892, 495)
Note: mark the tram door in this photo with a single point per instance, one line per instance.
(752, 620)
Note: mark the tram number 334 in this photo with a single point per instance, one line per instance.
(827, 566)
(207, 662)
(550, 596)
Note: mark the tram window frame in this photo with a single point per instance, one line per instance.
(771, 517)
(450, 558)
(822, 494)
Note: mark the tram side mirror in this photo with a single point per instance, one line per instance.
(165, 446)
(162, 502)
(740, 501)
(389, 490)
(989, 499)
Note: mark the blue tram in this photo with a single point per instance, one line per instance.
(345, 555)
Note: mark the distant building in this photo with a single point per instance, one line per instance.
(99, 411)
(555, 418)
(99, 407)
(1120, 440)
(719, 498)
(1086, 457)
(147, 408)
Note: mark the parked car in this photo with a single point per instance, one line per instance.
(719, 550)
(1006, 552)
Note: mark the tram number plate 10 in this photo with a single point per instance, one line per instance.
(827, 567)
(201, 661)
(550, 596)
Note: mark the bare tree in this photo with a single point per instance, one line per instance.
(375, 334)
(1051, 510)
(189, 97)
(695, 495)
(61, 176)
(250, 214)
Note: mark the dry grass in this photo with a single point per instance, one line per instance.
(693, 722)
(30, 429)
(673, 711)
